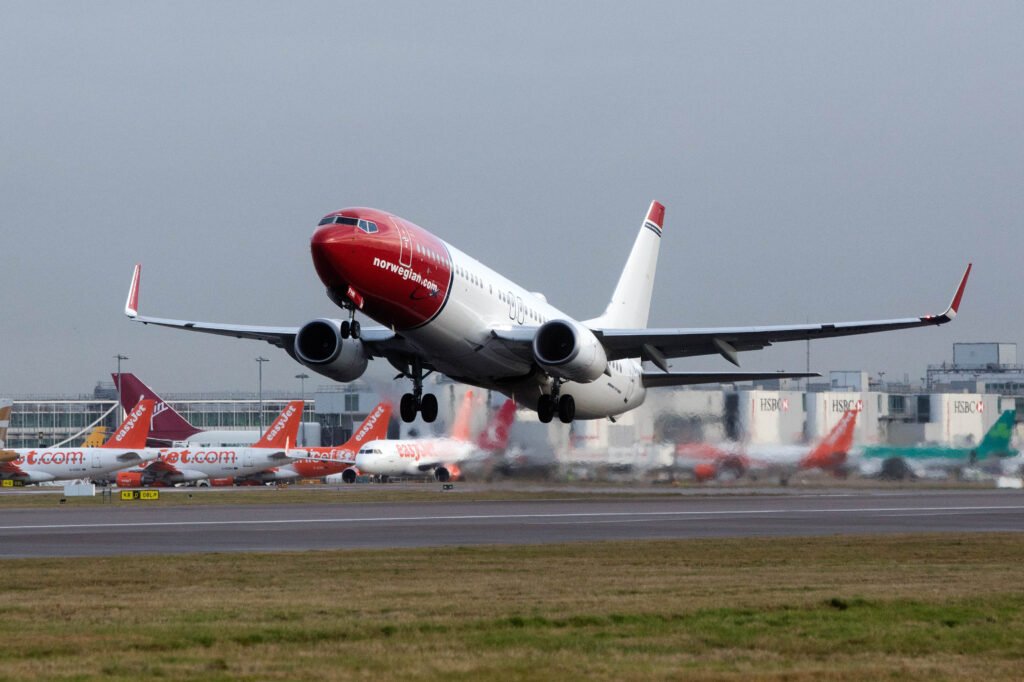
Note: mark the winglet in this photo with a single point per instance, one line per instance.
(131, 305)
(954, 305)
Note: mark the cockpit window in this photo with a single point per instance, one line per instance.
(367, 226)
(339, 220)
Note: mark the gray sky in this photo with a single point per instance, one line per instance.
(818, 161)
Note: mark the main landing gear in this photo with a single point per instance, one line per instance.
(548, 405)
(411, 403)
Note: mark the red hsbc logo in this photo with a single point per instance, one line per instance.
(773, 404)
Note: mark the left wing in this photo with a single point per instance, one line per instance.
(657, 344)
(656, 379)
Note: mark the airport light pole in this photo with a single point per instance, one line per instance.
(302, 391)
(120, 407)
(261, 360)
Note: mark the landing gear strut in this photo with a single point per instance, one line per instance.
(414, 402)
(350, 327)
(548, 405)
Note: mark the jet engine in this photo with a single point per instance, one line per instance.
(349, 475)
(319, 346)
(130, 479)
(569, 351)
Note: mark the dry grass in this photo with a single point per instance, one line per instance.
(909, 607)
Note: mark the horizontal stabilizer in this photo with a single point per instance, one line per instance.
(656, 379)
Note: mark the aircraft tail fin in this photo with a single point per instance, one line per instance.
(168, 424)
(282, 431)
(5, 421)
(830, 453)
(374, 427)
(96, 437)
(997, 441)
(495, 437)
(631, 302)
(463, 418)
(135, 428)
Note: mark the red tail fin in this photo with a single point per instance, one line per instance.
(283, 430)
(168, 425)
(135, 429)
(830, 453)
(374, 427)
(495, 436)
(464, 418)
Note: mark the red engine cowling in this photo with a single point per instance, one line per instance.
(129, 479)
(705, 472)
(222, 482)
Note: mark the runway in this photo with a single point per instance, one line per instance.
(123, 530)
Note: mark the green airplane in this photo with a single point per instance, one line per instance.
(929, 460)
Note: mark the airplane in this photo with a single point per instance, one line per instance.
(320, 462)
(441, 458)
(709, 462)
(441, 310)
(207, 465)
(169, 427)
(127, 447)
(939, 461)
(5, 421)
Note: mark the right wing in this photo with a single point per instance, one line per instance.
(656, 379)
(378, 340)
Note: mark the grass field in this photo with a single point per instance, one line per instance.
(906, 607)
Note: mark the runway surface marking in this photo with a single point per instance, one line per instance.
(908, 511)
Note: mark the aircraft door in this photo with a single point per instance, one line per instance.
(247, 460)
(96, 463)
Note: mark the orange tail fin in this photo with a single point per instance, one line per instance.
(464, 418)
(284, 429)
(135, 429)
(830, 453)
(374, 427)
(495, 436)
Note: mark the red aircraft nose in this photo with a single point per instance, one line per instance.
(329, 247)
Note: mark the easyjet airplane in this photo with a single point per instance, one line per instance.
(320, 462)
(127, 447)
(709, 462)
(441, 458)
(219, 465)
(442, 310)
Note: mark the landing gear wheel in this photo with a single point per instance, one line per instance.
(407, 407)
(545, 408)
(566, 409)
(428, 408)
(354, 329)
(344, 329)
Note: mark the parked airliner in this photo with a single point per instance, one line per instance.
(219, 465)
(127, 447)
(442, 310)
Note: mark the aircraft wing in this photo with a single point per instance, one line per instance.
(656, 379)
(374, 338)
(657, 344)
(129, 457)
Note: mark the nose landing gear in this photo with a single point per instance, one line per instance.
(549, 405)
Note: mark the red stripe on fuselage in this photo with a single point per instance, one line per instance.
(402, 271)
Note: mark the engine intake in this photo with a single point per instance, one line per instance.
(569, 351)
(319, 346)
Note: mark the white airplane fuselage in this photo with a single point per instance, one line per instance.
(38, 465)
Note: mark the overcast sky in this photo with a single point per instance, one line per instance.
(819, 162)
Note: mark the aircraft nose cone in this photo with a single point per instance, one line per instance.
(330, 248)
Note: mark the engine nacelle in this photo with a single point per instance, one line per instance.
(569, 351)
(319, 346)
(130, 479)
(225, 482)
(349, 475)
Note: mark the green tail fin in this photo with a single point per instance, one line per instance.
(997, 441)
